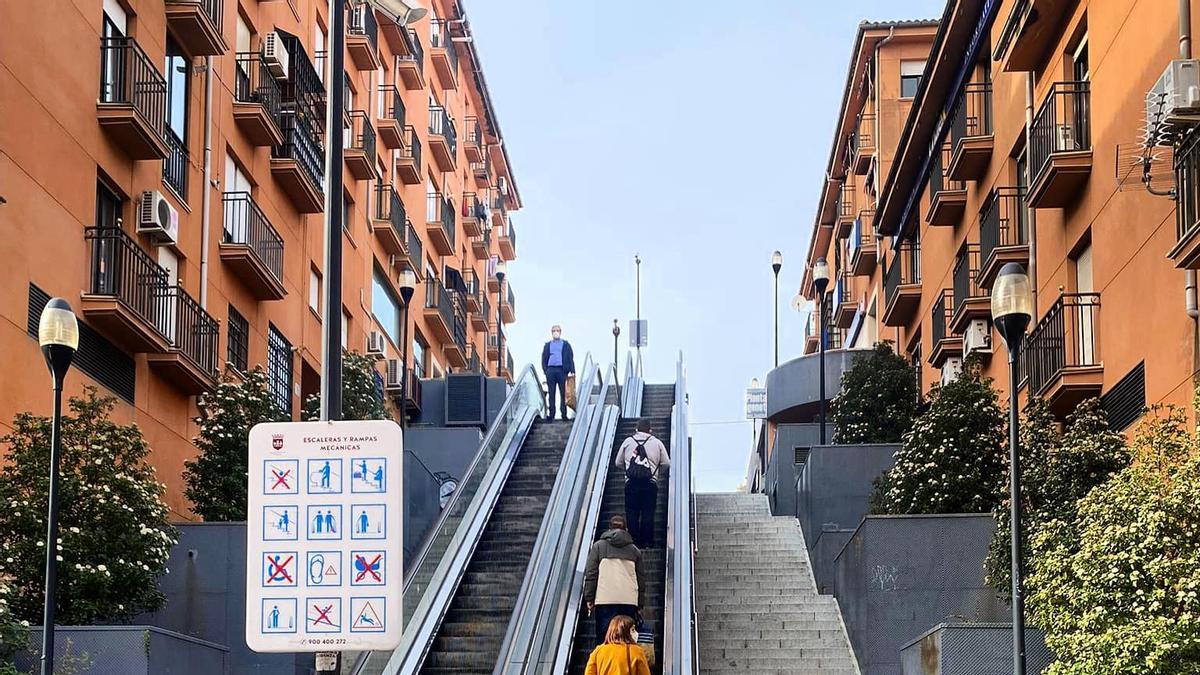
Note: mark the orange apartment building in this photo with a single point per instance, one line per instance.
(1025, 144)
(162, 167)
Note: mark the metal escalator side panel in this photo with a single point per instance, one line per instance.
(679, 637)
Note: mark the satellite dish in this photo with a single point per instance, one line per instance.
(800, 303)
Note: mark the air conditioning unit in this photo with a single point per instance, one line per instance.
(157, 219)
(466, 400)
(393, 377)
(977, 336)
(375, 343)
(275, 55)
(951, 369)
(1064, 138)
(1175, 98)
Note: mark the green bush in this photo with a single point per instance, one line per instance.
(877, 402)
(361, 396)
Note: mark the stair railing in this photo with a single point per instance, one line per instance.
(679, 610)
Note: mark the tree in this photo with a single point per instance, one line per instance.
(216, 479)
(114, 536)
(1057, 470)
(14, 635)
(952, 460)
(1118, 591)
(877, 402)
(362, 397)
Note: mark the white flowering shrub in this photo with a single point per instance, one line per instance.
(362, 397)
(114, 536)
(14, 634)
(216, 479)
(953, 459)
(877, 401)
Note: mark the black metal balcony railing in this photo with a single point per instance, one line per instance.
(439, 38)
(1187, 187)
(389, 207)
(1002, 220)
(439, 209)
(474, 362)
(863, 140)
(440, 124)
(943, 309)
(393, 103)
(416, 53)
(362, 22)
(212, 9)
(474, 288)
(904, 269)
(475, 208)
(846, 209)
(412, 147)
(125, 271)
(511, 300)
(487, 310)
(301, 143)
(303, 93)
(966, 273)
(938, 180)
(511, 233)
(412, 245)
(362, 133)
(863, 231)
(508, 363)
(842, 289)
(127, 76)
(246, 224)
(973, 116)
(482, 169)
(451, 306)
(474, 132)
(1066, 337)
(193, 331)
(1062, 124)
(254, 83)
(176, 164)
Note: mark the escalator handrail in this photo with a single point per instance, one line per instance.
(422, 626)
(679, 624)
(519, 651)
(631, 392)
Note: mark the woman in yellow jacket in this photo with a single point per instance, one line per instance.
(620, 653)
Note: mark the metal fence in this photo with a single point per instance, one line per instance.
(939, 181)
(440, 124)
(175, 166)
(1002, 221)
(125, 271)
(412, 149)
(904, 269)
(246, 224)
(125, 650)
(127, 76)
(439, 209)
(301, 143)
(194, 333)
(939, 316)
(362, 133)
(966, 273)
(1062, 124)
(973, 116)
(393, 103)
(254, 83)
(362, 22)
(389, 207)
(1066, 337)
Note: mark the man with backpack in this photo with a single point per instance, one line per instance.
(642, 456)
(612, 579)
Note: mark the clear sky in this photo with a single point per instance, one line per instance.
(692, 133)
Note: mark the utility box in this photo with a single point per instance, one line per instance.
(972, 649)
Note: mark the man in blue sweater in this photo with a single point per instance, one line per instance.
(558, 361)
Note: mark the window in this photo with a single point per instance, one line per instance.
(176, 164)
(108, 206)
(910, 77)
(314, 290)
(418, 350)
(319, 52)
(347, 210)
(345, 328)
(279, 369)
(385, 306)
(238, 340)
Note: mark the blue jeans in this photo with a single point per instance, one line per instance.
(556, 378)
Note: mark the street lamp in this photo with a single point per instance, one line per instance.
(616, 334)
(820, 276)
(501, 271)
(408, 286)
(58, 335)
(1012, 312)
(776, 264)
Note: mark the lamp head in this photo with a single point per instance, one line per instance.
(58, 335)
(776, 261)
(754, 383)
(408, 284)
(616, 328)
(820, 276)
(402, 12)
(1012, 304)
(501, 269)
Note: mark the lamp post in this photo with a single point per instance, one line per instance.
(501, 271)
(776, 264)
(820, 276)
(58, 335)
(616, 334)
(408, 286)
(1012, 312)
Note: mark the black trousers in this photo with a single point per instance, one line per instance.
(605, 615)
(556, 378)
(641, 498)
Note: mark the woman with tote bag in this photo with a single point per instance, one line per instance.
(620, 653)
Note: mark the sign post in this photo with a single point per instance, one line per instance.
(323, 537)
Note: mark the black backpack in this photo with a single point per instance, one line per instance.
(640, 469)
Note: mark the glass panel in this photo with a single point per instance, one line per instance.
(385, 307)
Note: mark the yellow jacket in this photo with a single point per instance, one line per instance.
(616, 659)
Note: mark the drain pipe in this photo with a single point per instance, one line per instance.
(1030, 214)
(1185, 52)
(206, 200)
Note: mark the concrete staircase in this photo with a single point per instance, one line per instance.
(758, 610)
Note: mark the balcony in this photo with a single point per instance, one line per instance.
(1061, 358)
(947, 197)
(298, 163)
(847, 211)
(482, 171)
(175, 166)
(443, 54)
(862, 145)
(863, 249)
(507, 242)
(446, 317)
(946, 344)
(812, 338)
(474, 361)
(251, 247)
(196, 24)
(474, 292)
(391, 122)
(389, 219)
(443, 139)
(902, 284)
(1060, 147)
(408, 163)
(493, 348)
(1003, 233)
(412, 393)
(362, 37)
(439, 222)
(476, 217)
(474, 145)
(493, 283)
(971, 137)
(845, 305)
(508, 308)
(1186, 252)
(481, 245)
(499, 210)
(191, 360)
(410, 61)
(360, 154)
(132, 108)
(481, 318)
(971, 301)
(257, 100)
(1032, 30)
(508, 367)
